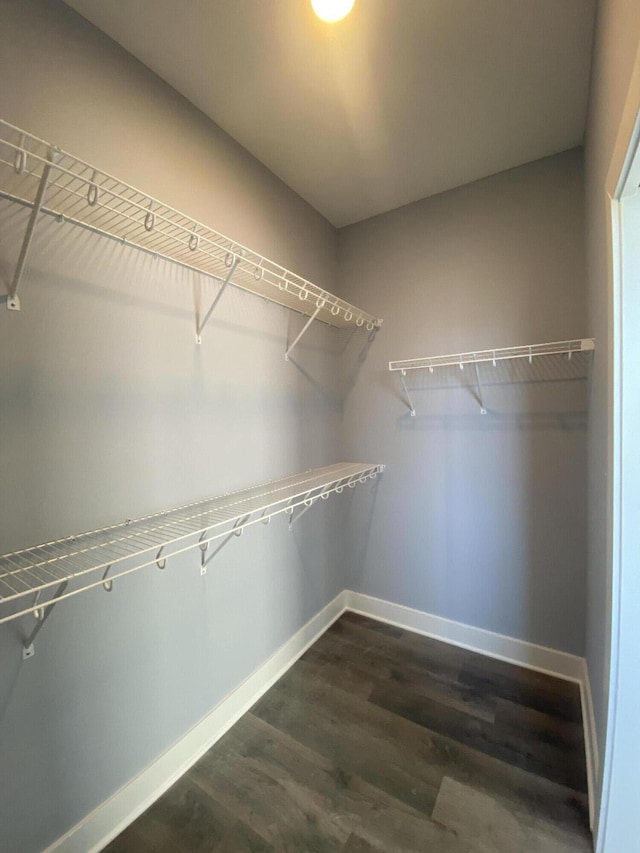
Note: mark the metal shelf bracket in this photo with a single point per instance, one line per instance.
(483, 409)
(319, 306)
(13, 302)
(309, 500)
(234, 261)
(307, 504)
(408, 396)
(236, 530)
(41, 614)
(203, 545)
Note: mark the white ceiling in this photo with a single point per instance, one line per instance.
(401, 100)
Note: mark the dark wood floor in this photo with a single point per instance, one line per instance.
(380, 740)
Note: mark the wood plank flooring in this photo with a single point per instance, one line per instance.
(379, 740)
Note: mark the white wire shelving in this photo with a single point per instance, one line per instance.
(66, 567)
(50, 182)
(493, 356)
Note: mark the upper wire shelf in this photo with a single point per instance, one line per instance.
(99, 557)
(493, 356)
(50, 181)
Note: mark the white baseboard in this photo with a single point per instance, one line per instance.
(112, 816)
(590, 740)
(116, 813)
(543, 659)
(530, 655)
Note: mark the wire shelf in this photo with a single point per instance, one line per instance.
(88, 560)
(79, 193)
(493, 355)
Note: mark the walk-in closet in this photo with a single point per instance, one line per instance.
(307, 424)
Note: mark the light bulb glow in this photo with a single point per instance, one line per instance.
(332, 10)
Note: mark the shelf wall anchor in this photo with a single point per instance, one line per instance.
(319, 306)
(41, 614)
(227, 280)
(13, 302)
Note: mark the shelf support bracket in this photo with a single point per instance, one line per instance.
(483, 409)
(319, 306)
(236, 530)
(308, 503)
(42, 613)
(13, 301)
(227, 280)
(408, 396)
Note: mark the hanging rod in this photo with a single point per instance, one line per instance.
(52, 182)
(529, 351)
(100, 557)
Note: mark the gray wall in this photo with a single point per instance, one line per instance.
(109, 410)
(616, 42)
(480, 518)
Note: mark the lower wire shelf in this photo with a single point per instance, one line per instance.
(67, 567)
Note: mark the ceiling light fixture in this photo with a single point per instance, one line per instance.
(332, 10)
